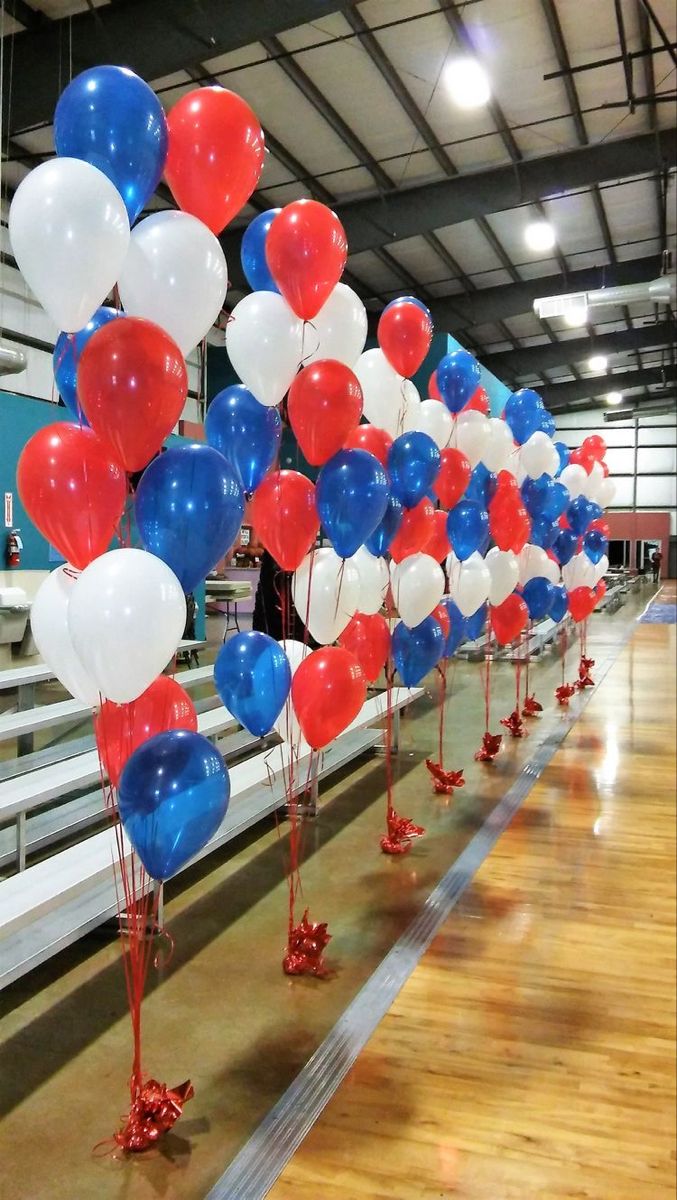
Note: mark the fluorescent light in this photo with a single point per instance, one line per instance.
(576, 315)
(597, 362)
(467, 83)
(614, 398)
(539, 236)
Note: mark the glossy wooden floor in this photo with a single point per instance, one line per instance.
(531, 1056)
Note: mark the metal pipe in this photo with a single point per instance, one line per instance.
(11, 361)
(657, 291)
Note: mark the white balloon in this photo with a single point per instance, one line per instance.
(606, 493)
(341, 327)
(435, 420)
(390, 401)
(503, 567)
(287, 723)
(49, 627)
(418, 587)
(471, 435)
(499, 446)
(533, 563)
(175, 274)
(69, 231)
(264, 340)
(374, 580)
(592, 487)
(469, 582)
(601, 568)
(574, 477)
(326, 591)
(538, 456)
(578, 572)
(126, 615)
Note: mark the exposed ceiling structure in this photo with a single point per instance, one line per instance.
(579, 131)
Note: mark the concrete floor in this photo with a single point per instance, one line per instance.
(223, 1013)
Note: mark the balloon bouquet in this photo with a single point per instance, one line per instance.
(109, 622)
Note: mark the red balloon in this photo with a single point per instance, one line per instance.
(404, 334)
(600, 525)
(372, 439)
(453, 477)
(600, 590)
(605, 469)
(509, 619)
(509, 522)
(122, 728)
(441, 615)
(595, 445)
(582, 458)
(327, 691)
(284, 514)
(415, 531)
(324, 406)
(72, 490)
(215, 156)
(368, 638)
(132, 385)
(581, 602)
(438, 544)
(479, 401)
(306, 251)
(433, 390)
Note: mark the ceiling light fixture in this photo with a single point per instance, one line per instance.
(540, 236)
(467, 83)
(576, 315)
(614, 398)
(598, 362)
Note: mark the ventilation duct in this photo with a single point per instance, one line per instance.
(659, 408)
(577, 304)
(11, 361)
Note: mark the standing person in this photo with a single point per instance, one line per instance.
(268, 604)
(656, 560)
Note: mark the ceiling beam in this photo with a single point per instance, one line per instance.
(488, 305)
(558, 396)
(153, 37)
(531, 360)
(409, 212)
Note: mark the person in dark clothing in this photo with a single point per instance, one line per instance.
(272, 594)
(656, 560)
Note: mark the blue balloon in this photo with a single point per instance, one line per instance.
(409, 300)
(379, 541)
(596, 511)
(189, 509)
(110, 118)
(173, 795)
(595, 545)
(482, 486)
(544, 531)
(253, 252)
(579, 515)
(253, 678)
(547, 423)
(564, 546)
(416, 651)
(468, 528)
(66, 356)
(537, 594)
(457, 627)
(352, 497)
(476, 622)
(413, 466)
(523, 412)
(245, 432)
(545, 497)
(458, 376)
(559, 602)
(563, 452)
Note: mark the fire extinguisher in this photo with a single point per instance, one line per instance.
(14, 548)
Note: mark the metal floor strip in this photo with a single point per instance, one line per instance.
(259, 1163)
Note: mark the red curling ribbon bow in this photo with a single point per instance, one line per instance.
(154, 1111)
(515, 725)
(584, 678)
(491, 744)
(444, 782)
(401, 833)
(564, 693)
(307, 942)
(531, 706)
